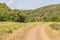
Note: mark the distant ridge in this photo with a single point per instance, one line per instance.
(44, 14)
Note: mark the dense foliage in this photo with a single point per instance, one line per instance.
(44, 14)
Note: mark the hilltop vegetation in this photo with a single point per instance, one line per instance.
(44, 14)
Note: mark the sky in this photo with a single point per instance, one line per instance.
(28, 4)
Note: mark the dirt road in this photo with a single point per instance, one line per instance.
(35, 33)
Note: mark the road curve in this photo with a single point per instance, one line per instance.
(38, 33)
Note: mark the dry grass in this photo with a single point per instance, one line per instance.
(9, 28)
(53, 33)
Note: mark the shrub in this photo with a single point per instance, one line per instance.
(55, 26)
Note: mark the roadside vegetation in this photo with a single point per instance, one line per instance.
(53, 31)
(55, 26)
(9, 27)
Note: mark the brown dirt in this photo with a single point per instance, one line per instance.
(52, 33)
(38, 33)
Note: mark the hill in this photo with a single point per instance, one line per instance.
(49, 13)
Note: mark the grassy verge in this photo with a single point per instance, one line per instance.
(53, 31)
(10, 27)
(55, 26)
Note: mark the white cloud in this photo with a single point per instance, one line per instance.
(11, 2)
